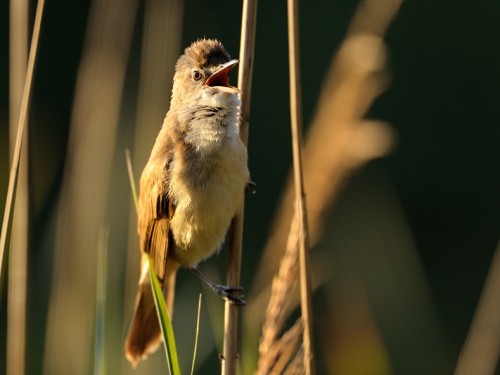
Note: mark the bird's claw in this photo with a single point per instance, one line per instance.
(251, 187)
(226, 293)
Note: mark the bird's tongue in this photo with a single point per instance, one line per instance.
(221, 76)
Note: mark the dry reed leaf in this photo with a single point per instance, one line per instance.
(276, 311)
(296, 366)
(282, 351)
(339, 142)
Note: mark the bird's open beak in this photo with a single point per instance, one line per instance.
(220, 78)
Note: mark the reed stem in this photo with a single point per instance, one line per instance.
(296, 128)
(19, 238)
(247, 41)
(23, 114)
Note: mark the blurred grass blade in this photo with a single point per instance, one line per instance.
(131, 176)
(23, 114)
(197, 335)
(102, 255)
(165, 323)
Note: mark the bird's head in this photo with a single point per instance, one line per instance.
(202, 76)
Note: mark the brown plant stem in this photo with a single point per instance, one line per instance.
(339, 140)
(23, 114)
(285, 348)
(276, 311)
(19, 241)
(300, 201)
(230, 352)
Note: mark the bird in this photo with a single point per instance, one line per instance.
(191, 187)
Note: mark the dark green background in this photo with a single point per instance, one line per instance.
(443, 102)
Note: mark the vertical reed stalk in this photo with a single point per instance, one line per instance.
(23, 114)
(16, 299)
(339, 141)
(197, 335)
(247, 42)
(296, 127)
(131, 177)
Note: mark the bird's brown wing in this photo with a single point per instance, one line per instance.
(155, 211)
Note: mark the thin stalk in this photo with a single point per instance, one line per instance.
(352, 83)
(230, 352)
(18, 259)
(131, 177)
(296, 127)
(23, 114)
(247, 46)
(197, 335)
(165, 323)
(100, 314)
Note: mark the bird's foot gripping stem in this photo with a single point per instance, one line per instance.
(251, 187)
(226, 292)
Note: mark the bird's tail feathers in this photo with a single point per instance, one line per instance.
(144, 334)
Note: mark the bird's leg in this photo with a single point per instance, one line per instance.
(221, 290)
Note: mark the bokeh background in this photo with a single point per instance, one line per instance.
(407, 244)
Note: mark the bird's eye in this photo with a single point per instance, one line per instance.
(197, 75)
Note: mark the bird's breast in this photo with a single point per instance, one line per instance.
(207, 193)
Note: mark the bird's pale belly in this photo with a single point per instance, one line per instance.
(203, 213)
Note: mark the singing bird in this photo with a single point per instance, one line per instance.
(192, 185)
